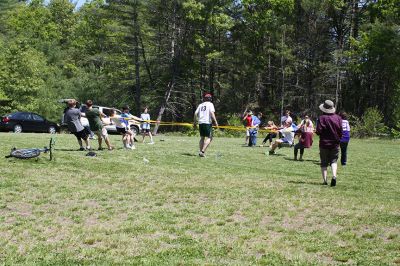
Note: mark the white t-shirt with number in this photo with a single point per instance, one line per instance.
(203, 112)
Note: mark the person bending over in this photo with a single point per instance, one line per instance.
(95, 118)
(72, 117)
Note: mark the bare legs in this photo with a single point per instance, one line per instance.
(275, 145)
(324, 172)
(86, 143)
(203, 145)
(149, 134)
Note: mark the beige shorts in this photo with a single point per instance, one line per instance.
(101, 133)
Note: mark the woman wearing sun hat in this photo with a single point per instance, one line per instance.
(329, 129)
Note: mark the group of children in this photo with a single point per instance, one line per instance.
(287, 131)
(72, 116)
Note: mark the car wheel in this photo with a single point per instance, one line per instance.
(17, 128)
(135, 130)
(52, 130)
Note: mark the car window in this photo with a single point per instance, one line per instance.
(37, 118)
(107, 111)
(22, 116)
(14, 115)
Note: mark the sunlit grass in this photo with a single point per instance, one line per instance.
(161, 204)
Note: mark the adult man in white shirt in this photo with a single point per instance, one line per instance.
(205, 114)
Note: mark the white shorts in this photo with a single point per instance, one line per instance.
(248, 132)
(102, 133)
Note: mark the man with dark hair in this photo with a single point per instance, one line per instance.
(205, 114)
(95, 118)
(72, 117)
(329, 129)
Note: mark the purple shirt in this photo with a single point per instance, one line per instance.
(346, 131)
(329, 129)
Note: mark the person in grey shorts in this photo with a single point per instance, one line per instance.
(72, 117)
(329, 129)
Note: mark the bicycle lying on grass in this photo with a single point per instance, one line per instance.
(33, 152)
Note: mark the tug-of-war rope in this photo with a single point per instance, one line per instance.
(239, 128)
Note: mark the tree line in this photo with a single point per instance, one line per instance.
(264, 55)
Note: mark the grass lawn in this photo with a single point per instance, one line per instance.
(163, 205)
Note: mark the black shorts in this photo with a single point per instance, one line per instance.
(121, 130)
(83, 134)
(328, 156)
(205, 130)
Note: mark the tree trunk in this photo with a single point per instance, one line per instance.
(174, 69)
(138, 92)
(283, 73)
(167, 95)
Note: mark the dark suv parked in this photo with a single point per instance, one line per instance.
(27, 122)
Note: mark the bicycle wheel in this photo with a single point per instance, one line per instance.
(25, 153)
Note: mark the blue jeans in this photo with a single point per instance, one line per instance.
(253, 137)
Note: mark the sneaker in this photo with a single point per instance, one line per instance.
(201, 154)
(333, 182)
(150, 143)
(271, 152)
(88, 148)
(127, 146)
(325, 183)
(100, 148)
(133, 147)
(81, 148)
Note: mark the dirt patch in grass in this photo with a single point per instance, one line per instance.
(238, 217)
(19, 208)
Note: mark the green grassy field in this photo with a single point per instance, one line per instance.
(163, 205)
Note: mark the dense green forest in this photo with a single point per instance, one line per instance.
(266, 55)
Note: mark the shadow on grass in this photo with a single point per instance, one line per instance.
(189, 154)
(276, 155)
(307, 160)
(305, 182)
(95, 150)
(68, 150)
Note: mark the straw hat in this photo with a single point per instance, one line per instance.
(327, 107)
